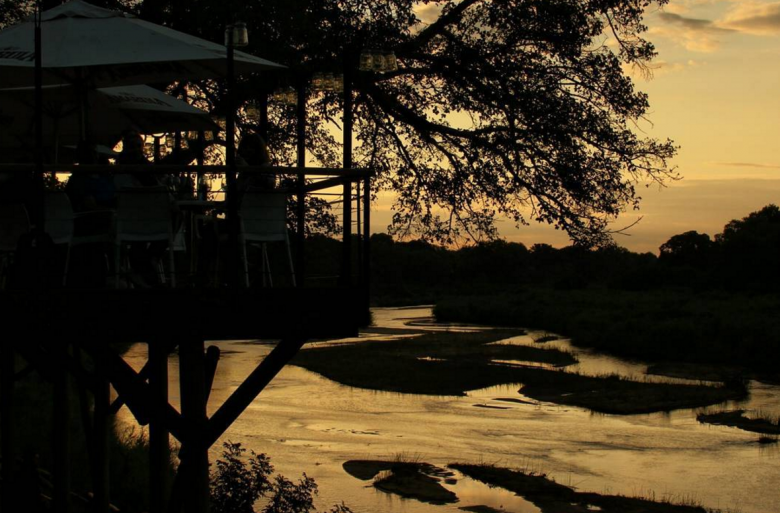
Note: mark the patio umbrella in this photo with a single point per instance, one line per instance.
(85, 44)
(110, 111)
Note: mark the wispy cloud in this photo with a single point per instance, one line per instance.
(693, 24)
(754, 165)
(661, 68)
(754, 18)
(695, 34)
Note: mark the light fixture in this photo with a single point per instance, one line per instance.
(338, 83)
(287, 95)
(318, 82)
(366, 61)
(377, 61)
(390, 62)
(237, 35)
(252, 111)
(329, 82)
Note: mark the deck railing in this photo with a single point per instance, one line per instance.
(347, 191)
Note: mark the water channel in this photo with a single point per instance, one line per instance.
(307, 423)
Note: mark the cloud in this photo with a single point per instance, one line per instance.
(695, 34)
(428, 13)
(692, 24)
(754, 165)
(661, 68)
(753, 18)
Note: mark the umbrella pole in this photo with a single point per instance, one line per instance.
(38, 186)
(230, 160)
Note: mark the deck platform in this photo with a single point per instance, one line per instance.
(123, 316)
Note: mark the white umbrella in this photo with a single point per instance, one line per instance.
(111, 111)
(84, 44)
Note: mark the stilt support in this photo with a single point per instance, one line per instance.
(8, 450)
(159, 443)
(195, 460)
(61, 433)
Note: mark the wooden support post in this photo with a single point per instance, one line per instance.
(233, 262)
(61, 431)
(8, 452)
(212, 360)
(100, 436)
(193, 408)
(225, 416)
(159, 446)
(300, 270)
(346, 259)
(367, 244)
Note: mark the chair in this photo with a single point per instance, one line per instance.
(59, 223)
(14, 223)
(144, 214)
(263, 219)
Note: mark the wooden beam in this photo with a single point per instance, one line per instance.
(243, 396)
(137, 393)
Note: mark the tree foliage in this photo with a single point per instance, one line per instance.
(499, 108)
(240, 481)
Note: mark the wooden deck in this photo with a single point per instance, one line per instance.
(211, 314)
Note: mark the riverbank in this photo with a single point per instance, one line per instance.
(445, 363)
(655, 326)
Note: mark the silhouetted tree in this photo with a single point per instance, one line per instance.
(750, 248)
(689, 248)
(518, 108)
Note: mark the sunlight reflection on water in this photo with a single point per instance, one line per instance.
(307, 423)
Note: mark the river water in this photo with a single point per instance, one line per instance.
(307, 423)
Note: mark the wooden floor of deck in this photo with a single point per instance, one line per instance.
(210, 314)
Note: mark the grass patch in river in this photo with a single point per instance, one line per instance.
(410, 479)
(458, 362)
(761, 423)
(552, 497)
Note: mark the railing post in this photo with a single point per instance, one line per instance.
(367, 240)
(201, 179)
(346, 259)
(233, 263)
(301, 197)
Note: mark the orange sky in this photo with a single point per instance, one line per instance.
(716, 93)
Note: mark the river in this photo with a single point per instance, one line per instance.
(307, 423)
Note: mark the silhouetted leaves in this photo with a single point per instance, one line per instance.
(513, 108)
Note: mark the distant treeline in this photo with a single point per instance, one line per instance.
(745, 257)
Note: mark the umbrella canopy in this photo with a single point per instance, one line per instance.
(85, 44)
(110, 111)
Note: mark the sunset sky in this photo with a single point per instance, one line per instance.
(715, 91)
